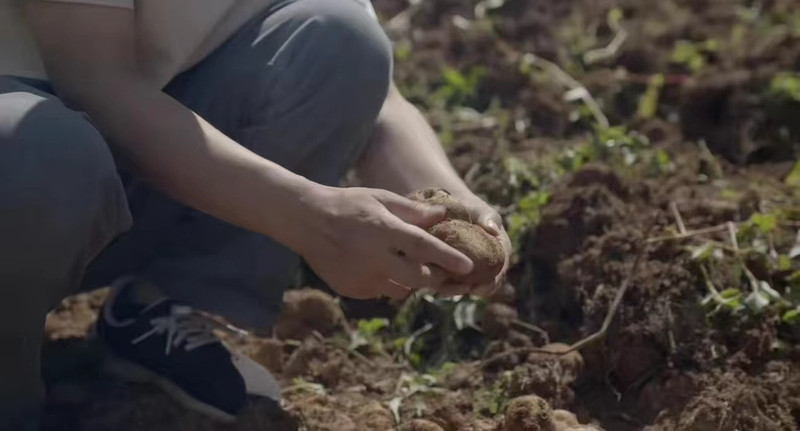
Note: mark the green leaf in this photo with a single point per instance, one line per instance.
(791, 317)
(763, 222)
(757, 301)
(793, 179)
(372, 326)
(614, 17)
(784, 262)
(648, 102)
(702, 252)
(730, 293)
(786, 85)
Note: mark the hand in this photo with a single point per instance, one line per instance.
(488, 218)
(367, 243)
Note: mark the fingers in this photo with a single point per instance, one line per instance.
(490, 223)
(412, 212)
(393, 290)
(414, 275)
(420, 246)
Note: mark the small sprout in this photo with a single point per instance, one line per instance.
(765, 223)
(705, 251)
(648, 102)
(373, 326)
(784, 263)
(793, 179)
(786, 85)
(791, 317)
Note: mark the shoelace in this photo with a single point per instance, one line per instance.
(182, 325)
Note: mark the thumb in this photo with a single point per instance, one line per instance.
(489, 223)
(413, 212)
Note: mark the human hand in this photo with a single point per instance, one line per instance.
(367, 243)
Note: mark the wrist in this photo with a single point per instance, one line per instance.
(295, 211)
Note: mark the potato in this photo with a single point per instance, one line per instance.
(458, 231)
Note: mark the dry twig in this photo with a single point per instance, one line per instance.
(612, 311)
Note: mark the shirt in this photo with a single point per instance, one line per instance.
(197, 27)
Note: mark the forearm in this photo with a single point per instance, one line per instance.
(405, 153)
(191, 161)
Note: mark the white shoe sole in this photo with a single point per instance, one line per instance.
(132, 372)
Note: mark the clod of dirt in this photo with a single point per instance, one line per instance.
(564, 420)
(373, 416)
(529, 413)
(305, 311)
(270, 355)
(485, 251)
(434, 196)
(420, 425)
(497, 320)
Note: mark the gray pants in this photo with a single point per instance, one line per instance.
(301, 85)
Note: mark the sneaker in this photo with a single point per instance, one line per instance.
(167, 343)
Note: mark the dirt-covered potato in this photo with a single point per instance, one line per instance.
(529, 413)
(485, 251)
(458, 231)
(433, 196)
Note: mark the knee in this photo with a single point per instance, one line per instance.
(58, 177)
(364, 54)
(341, 55)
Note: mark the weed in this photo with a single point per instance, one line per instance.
(693, 55)
(786, 85)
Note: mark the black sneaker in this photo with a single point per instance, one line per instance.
(169, 344)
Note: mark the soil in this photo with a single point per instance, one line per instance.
(665, 363)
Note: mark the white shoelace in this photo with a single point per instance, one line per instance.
(182, 326)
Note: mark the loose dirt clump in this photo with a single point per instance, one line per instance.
(529, 413)
(420, 425)
(374, 416)
(270, 355)
(306, 311)
(735, 400)
(497, 320)
(547, 375)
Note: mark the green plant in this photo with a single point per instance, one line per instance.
(693, 55)
(526, 215)
(457, 88)
(786, 85)
(648, 102)
(367, 334)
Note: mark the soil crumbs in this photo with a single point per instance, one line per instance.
(677, 205)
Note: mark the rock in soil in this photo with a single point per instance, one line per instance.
(308, 310)
(529, 413)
